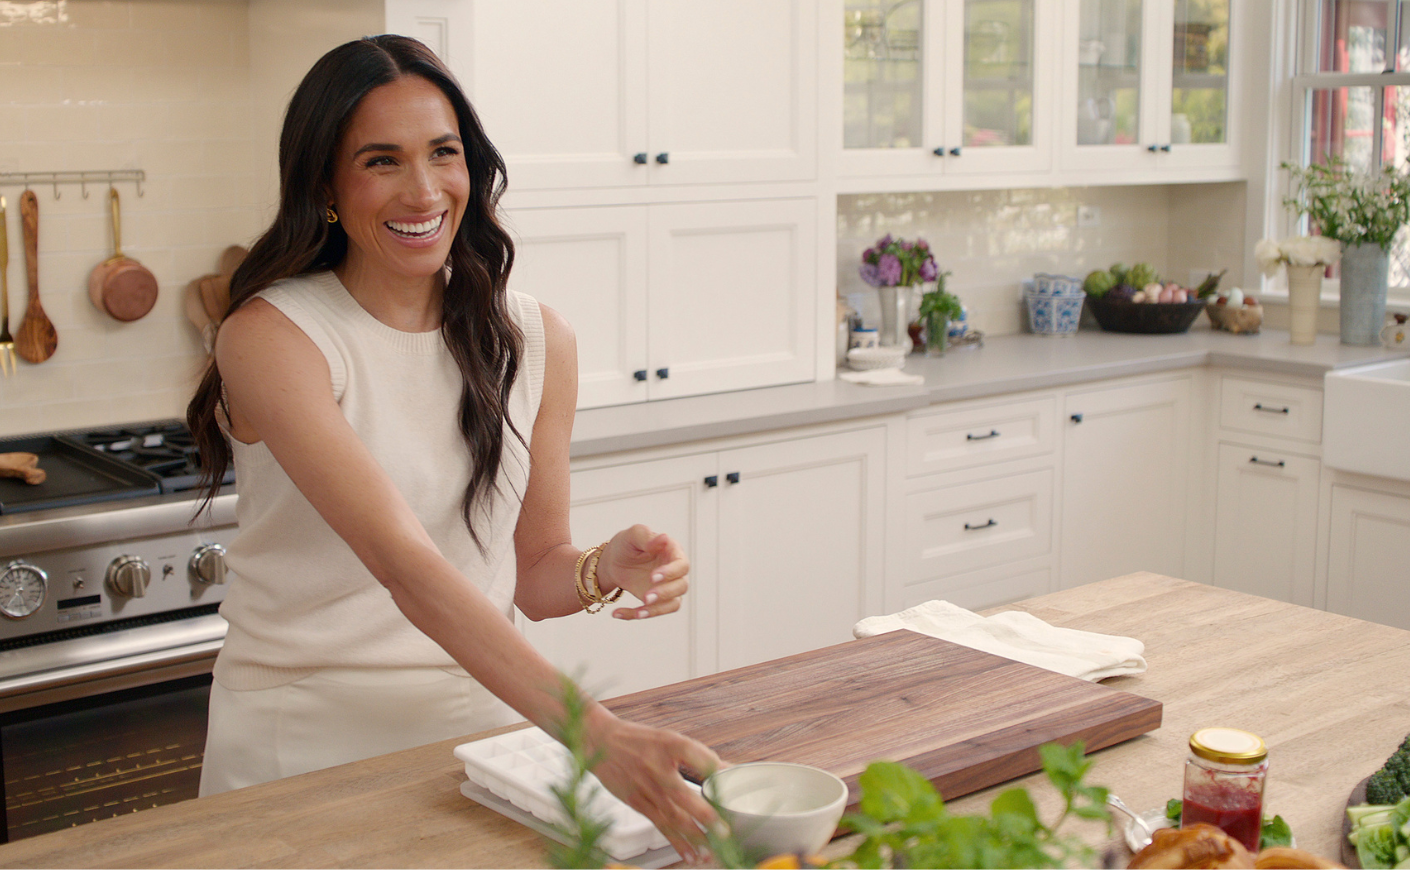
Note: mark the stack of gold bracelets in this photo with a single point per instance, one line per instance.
(589, 595)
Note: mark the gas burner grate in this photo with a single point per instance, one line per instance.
(165, 449)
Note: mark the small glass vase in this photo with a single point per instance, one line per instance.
(937, 335)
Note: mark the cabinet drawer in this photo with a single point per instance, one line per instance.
(1266, 408)
(963, 528)
(947, 440)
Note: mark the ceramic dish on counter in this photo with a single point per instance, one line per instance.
(865, 359)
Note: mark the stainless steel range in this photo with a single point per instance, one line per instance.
(108, 624)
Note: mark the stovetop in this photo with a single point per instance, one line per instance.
(91, 466)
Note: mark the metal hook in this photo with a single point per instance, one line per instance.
(83, 186)
(139, 186)
(55, 182)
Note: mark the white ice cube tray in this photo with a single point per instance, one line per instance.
(519, 767)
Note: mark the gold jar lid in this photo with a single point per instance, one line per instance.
(1228, 746)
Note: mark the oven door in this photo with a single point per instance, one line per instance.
(104, 725)
(105, 755)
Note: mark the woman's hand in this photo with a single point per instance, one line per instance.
(641, 766)
(650, 566)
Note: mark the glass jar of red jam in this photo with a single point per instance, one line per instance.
(1224, 778)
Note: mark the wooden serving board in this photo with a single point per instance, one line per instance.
(964, 718)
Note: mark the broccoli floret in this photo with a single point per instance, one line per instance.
(1398, 765)
(1384, 787)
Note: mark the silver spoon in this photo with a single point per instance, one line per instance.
(1139, 840)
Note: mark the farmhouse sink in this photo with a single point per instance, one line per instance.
(1366, 419)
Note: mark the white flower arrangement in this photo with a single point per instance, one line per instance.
(1296, 251)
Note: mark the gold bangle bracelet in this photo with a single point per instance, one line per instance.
(590, 580)
(585, 581)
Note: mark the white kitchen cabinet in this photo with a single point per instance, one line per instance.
(785, 543)
(630, 93)
(976, 503)
(939, 88)
(1125, 476)
(1151, 88)
(678, 299)
(1265, 538)
(1366, 574)
(611, 656)
(800, 544)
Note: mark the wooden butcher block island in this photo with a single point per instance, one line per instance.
(1329, 694)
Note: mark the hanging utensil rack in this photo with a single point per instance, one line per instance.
(83, 179)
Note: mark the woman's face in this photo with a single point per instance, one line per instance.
(400, 185)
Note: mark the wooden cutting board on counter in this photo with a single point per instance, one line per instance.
(964, 718)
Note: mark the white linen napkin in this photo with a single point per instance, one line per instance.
(1019, 636)
(882, 378)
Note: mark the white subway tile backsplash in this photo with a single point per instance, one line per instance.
(157, 85)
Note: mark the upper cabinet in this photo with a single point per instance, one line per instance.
(630, 93)
(1150, 88)
(942, 94)
(937, 88)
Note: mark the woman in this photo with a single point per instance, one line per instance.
(401, 423)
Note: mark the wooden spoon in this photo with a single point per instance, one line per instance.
(35, 340)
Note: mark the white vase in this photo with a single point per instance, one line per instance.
(1304, 298)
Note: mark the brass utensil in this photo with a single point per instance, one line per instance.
(7, 341)
(37, 339)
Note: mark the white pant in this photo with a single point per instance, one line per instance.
(336, 716)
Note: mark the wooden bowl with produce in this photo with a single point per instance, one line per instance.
(1234, 312)
(1135, 300)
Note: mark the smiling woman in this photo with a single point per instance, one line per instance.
(401, 420)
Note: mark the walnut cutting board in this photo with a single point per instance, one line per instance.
(963, 718)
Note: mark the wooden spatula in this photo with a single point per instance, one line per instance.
(36, 339)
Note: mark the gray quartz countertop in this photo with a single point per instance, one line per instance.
(1005, 364)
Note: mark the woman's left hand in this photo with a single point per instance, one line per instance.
(651, 566)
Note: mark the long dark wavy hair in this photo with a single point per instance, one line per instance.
(475, 321)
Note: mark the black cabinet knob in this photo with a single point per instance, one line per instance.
(954, 152)
(712, 480)
(663, 157)
(639, 158)
(663, 373)
(1152, 148)
(732, 477)
(1165, 148)
(939, 152)
(1077, 418)
(639, 374)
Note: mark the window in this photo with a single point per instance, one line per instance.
(1352, 92)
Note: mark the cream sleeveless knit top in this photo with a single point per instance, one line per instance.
(299, 599)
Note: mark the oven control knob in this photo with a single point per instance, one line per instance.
(207, 564)
(129, 576)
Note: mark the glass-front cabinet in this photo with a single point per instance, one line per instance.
(947, 87)
(1149, 86)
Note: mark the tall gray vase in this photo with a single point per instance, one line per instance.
(895, 308)
(1363, 293)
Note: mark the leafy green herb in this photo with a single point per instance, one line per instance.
(1273, 832)
(582, 830)
(940, 301)
(904, 823)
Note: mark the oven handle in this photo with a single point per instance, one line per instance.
(93, 672)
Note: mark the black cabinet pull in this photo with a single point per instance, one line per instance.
(663, 373)
(970, 436)
(639, 158)
(969, 528)
(663, 157)
(1165, 148)
(1256, 461)
(954, 152)
(1077, 418)
(712, 480)
(639, 374)
(939, 152)
(732, 477)
(1152, 148)
(1270, 409)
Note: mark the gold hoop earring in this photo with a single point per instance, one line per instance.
(332, 215)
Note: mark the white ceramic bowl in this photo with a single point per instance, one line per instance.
(882, 357)
(775, 807)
